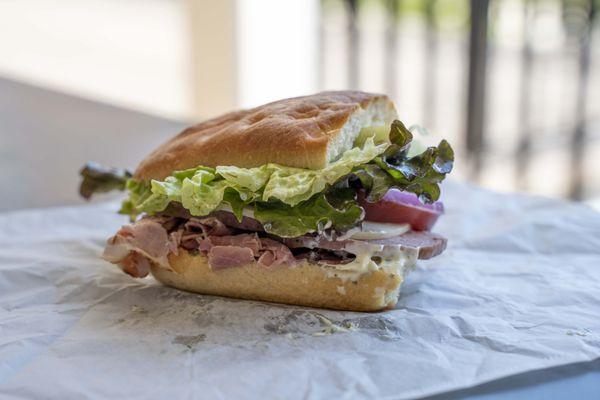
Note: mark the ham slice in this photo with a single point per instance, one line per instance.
(133, 245)
(220, 257)
(275, 254)
(268, 252)
(208, 226)
(190, 241)
(135, 265)
(246, 240)
(228, 218)
(196, 229)
(246, 224)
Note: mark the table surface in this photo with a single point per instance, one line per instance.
(45, 137)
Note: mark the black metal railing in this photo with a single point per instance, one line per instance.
(481, 143)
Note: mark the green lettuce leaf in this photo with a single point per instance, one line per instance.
(235, 201)
(338, 211)
(420, 174)
(373, 179)
(99, 179)
(138, 192)
(379, 134)
(252, 179)
(294, 185)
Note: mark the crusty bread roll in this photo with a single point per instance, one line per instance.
(307, 284)
(303, 132)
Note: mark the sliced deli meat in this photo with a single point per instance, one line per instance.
(152, 239)
(428, 244)
(208, 226)
(268, 252)
(246, 224)
(275, 254)
(245, 240)
(133, 244)
(135, 264)
(220, 257)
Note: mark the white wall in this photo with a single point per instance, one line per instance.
(278, 49)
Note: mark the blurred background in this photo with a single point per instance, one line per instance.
(513, 84)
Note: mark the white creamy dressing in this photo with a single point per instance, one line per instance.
(372, 257)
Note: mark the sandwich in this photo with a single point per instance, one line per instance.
(317, 201)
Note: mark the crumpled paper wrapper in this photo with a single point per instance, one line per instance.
(517, 290)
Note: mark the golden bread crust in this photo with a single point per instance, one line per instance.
(296, 132)
(306, 284)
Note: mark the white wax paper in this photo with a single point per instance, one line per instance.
(518, 289)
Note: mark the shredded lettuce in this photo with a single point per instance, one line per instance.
(203, 189)
(203, 193)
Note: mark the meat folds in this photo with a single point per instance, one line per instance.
(230, 244)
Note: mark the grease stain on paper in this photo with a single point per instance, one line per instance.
(135, 309)
(299, 323)
(378, 326)
(191, 341)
